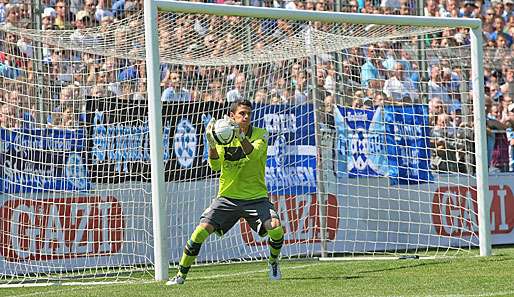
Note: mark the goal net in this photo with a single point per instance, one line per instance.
(371, 148)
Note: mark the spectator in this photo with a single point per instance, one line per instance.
(128, 89)
(499, 26)
(505, 101)
(399, 86)
(174, 92)
(489, 16)
(443, 157)
(8, 119)
(105, 24)
(495, 92)
(431, 8)
(102, 10)
(495, 144)
(468, 9)
(215, 93)
(237, 92)
(140, 92)
(61, 67)
(451, 7)
(65, 114)
(80, 36)
(279, 89)
(63, 16)
(260, 96)
(369, 70)
(390, 60)
(12, 63)
(508, 9)
(378, 100)
(508, 87)
(330, 79)
(48, 19)
(436, 87)
(131, 8)
(290, 4)
(133, 70)
(509, 122)
(301, 90)
(498, 7)
(3, 8)
(12, 15)
(436, 106)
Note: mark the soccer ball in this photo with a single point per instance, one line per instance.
(223, 132)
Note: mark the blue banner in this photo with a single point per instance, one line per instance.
(408, 144)
(291, 164)
(119, 140)
(360, 142)
(36, 160)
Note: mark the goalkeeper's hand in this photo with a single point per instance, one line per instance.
(237, 130)
(210, 137)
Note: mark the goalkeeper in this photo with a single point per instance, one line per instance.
(242, 191)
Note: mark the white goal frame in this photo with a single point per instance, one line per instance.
(161, 242)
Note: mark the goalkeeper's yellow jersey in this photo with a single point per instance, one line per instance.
(242, 176)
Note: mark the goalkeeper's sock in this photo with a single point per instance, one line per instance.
(191, 250)
(275, 241)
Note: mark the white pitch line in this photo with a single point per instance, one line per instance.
(250, 272)
(79, 286)
(506, 293)
(46, 292)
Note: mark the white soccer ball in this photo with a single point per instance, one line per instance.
(223, 132)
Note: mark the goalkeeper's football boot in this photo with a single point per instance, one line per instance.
(274, 271)
(176, 280)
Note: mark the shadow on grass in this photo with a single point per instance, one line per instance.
(402, 267)
(364, 273)
(324, 278)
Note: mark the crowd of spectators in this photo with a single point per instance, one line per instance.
(362, 77)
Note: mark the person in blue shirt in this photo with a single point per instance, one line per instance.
(174, 92)
(369, 70)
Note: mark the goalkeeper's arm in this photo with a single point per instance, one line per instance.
(255, 147)
(246, 145)
(214, 157)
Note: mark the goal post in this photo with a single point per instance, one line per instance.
(161, 241)
(477, 83)
(480, 144)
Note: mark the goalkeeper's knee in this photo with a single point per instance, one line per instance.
(276, 237)
(194, 245)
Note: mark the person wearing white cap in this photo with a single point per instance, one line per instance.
(508, 9)
(48, 18)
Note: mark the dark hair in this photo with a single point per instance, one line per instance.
(238, 103)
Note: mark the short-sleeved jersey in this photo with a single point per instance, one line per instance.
(242, 176)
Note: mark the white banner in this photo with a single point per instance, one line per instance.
(113, 226)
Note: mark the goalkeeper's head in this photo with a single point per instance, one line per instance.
(241, 112)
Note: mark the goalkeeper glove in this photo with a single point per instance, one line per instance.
(210, 137)
(237, 131)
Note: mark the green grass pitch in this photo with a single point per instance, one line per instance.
(451, 277)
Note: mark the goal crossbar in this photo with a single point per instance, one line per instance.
(313, 16)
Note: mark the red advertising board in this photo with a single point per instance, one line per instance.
(60, 228)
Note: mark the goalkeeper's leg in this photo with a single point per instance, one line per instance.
(191, 250)
(275, 241)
